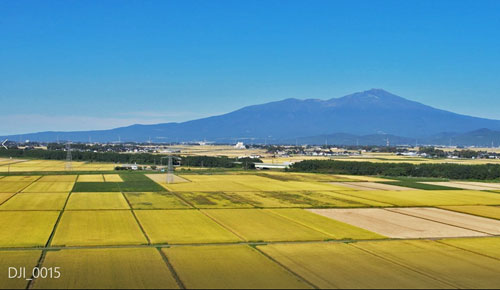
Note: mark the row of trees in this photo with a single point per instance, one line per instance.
(443, 170)
(129, 158)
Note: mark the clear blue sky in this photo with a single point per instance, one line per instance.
(74, 65)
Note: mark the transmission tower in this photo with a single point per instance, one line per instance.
(170, 170)
(68, 156)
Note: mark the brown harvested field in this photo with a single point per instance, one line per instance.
(484, 225)
(484, 184)
(395, 225)
(458, 185)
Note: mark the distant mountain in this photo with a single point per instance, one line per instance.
(478, 138)
(373, 112)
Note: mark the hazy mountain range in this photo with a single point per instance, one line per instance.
(369, 117)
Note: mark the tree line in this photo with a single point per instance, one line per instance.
(129, 158)
(441, 170)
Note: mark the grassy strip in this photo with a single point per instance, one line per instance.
(96, 187)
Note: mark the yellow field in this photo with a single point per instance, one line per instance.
(132, 268)
(485, 246)
(154, 200)
(245, 182)
(54, 165)
(112, 178)
(96, 200)
(58, 178)
(339, 265)
(479, 210)
(16, 259)
(335, 229)
(260, 225)
(214, 200)
(20, 178)
(229, 267)
(162, 178)
(182, 227)
(429, 197)
(48, 186)
(13, 186)
(456, 267)
(36, 201)
(26, 228)
(103, 227)
(5, 196)
(90, 178)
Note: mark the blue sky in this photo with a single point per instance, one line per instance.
(76, 65)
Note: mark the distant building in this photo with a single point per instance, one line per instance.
(273, 165)
(239, 145)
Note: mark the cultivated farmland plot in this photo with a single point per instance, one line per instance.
(479, 210)
(395, 224)
(26, 228)
(338, 265)
(260, 225)
(36, 201)
(155, 200)
(182, 227)
(91, 178)
(103, 227)
(229, 267)
(13, 186)
(129, 268)
(456, 267)
(485, 246)
(50, 186)
(16, 259)
(96, 200)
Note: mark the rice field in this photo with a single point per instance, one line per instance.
(484, 246)
(479, 210)
(103, 227)
(91, 178)
(36, 201)
(155, 200)
(230, 267)
(260, 225)
(16, 259)
(13, 186)
(338, 265)
(50, 186)
(26, 228)
(429, 197)
(213, 200)
(182, 227)
(454, 266)
(96, 200)
(251, 229)
(132, 268)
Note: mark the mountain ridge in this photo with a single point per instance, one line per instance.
(374, 111)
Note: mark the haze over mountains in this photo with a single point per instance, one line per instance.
(369, 117)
